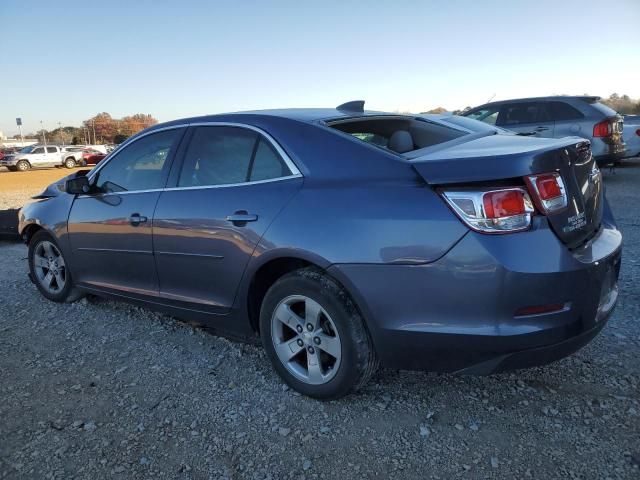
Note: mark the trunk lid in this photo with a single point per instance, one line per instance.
(495, 158)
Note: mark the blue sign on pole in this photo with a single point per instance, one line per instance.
(18, 121)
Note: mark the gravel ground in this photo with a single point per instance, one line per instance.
(99, 389)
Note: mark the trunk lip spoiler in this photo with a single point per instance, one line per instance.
(415, 155)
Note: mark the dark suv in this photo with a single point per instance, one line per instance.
(557, 117)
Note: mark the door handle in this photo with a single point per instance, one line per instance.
(241, 217)
(541, 129)
(136, 219)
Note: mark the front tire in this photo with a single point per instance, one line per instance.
(23, 166)
(314, 335)
(49, 269)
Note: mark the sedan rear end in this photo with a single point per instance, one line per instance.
(533, 280)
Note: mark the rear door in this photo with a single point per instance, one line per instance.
(567, 119)
(232, 183)
(527, 118)
(110, 229)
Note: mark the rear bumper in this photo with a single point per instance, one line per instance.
(606, 151)
(458, 314)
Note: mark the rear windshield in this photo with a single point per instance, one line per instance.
(399, 135)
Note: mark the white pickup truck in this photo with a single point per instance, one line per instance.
(33, 156)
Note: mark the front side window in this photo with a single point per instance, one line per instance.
(38, 150)
(228, 155)
(142, 165)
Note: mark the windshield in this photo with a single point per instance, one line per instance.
(28, 149)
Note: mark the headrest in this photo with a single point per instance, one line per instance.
(401, 141)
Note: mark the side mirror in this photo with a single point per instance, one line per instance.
(78, 185)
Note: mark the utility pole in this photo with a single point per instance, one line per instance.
(61, 133)
(93, 124)
(44, 138)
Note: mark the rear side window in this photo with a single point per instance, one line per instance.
(267, 163)
(523, 113)
(229, 155)
(563, 111)
(52, 150)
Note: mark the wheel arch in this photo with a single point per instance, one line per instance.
(273, 267)
(30, 230)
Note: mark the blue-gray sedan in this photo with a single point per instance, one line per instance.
(343, 239)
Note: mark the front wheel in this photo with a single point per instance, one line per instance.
(49, 269)
(23, 166)
(70, 162)
(314, 336)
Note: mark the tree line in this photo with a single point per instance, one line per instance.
(99, 129)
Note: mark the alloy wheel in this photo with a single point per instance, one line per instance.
(49, 267)
(306, 339)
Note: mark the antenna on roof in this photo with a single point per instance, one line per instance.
(353, 106)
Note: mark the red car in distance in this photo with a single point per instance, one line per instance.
(92, 157)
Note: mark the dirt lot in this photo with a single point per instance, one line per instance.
(99, 389)
(17, 187)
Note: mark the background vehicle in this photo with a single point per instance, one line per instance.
(557, 117)
(92, 157)
(71, 156)
(32, 157)
(632, 135)
(343, 238)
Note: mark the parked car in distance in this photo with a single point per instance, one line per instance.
(343, 239)
(92, 157)
(72, 155)
(33, 156)
(557, 117)
(632, 135)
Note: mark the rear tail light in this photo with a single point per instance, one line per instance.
(492, 211)
(548, 191)
(602, 129)
(638, 132)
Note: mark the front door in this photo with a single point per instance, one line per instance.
(110, 228)
(232, 184)
(37, 158)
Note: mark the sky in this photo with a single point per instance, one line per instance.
(64, 61)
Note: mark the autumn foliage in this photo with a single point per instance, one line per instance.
(104, 129)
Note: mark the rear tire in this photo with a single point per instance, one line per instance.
(49, 269)
(314, 336)
(23, 166)
(70, 162)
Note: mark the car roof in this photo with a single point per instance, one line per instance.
(306, 115)
(550, 98)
